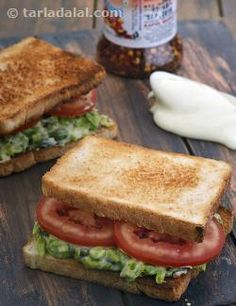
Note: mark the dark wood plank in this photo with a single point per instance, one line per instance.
(146, 135)
(187, 10)
(23, 190)
(99, 21)
(228, 11)
(20, 284)
(125, 101)
(220, 274)
(34, 26)
(198, 9)
(216, 67)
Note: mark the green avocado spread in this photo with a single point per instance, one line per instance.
(51, 131)
(105, 258)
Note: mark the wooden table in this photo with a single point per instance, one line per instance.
(209, 57)
(187, 9)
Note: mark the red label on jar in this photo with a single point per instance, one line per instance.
(140, 23)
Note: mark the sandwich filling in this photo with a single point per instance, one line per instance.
(67, 232)
(105, 258)
(66, 123)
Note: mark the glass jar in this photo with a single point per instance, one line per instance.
(139, 37)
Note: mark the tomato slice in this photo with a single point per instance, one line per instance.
(26, 126)
(77, 106)
(79, 227)
(74, 225)
(164, 250)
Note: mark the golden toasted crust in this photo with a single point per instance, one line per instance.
(35, 76)
(166, 192)
(171, 290)
(227, 218)
(27, 160)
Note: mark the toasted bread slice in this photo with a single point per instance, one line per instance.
(171, 290)
(166, 192)
(28, 159)
(35, 76)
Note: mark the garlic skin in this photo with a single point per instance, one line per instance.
(192, 109)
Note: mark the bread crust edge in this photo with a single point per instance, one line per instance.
(171, 290)
(41, 103)
(110, 209)
(29, 159)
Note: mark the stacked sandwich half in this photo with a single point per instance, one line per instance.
(136, 219)
(47, 100)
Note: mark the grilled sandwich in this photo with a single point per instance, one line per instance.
(133, 218)
(47, 102)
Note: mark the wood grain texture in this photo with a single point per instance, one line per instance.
(218, 273)
(19, 284)
(216, 67)
(187, 9)
(22, 26)
(229, 11)
(98, 21)
(125, 101)
(200, 9)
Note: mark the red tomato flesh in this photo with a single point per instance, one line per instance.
(73, 225)
(165, 250)
(26, 126)
(75, 107)
(84, 228)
